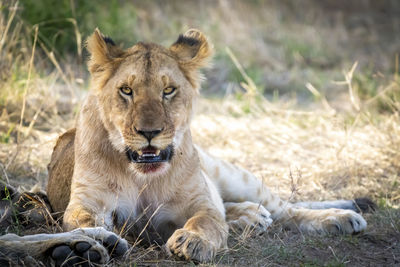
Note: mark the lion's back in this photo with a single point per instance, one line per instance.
(61, 168)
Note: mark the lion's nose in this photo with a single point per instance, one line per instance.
(148, 134)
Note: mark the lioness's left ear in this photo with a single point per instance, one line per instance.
(102, 51)
(192, 50)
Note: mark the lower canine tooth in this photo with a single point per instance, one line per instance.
(140, 152)
(157, 152)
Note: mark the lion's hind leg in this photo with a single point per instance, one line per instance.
(238, 185)
(252, 217)
(82, 246)
(326, 221)
(248, 217)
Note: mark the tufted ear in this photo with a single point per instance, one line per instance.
(192, 50)
(102, 51)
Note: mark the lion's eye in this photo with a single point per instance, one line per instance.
(168, 90)
(126, 90)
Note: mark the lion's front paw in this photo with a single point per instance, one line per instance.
(191, 246)
(337, 221)
(78, 250)
(116, 245)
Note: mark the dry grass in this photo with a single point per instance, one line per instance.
(335, 158)
(336, 147)
(326, 157)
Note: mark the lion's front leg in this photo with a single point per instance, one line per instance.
(89, 207)
(77, 216)
(206, 230)
(201, 236)
(85, 246)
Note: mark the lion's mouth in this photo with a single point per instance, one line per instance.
(150, 155)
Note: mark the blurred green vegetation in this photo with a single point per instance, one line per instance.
(64, 23)
(5, 137)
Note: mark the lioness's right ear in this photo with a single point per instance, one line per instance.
(102, 51)
(193, 51)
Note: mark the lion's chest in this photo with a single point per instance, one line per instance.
(147, 215)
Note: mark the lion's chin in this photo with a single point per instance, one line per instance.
(150, 169)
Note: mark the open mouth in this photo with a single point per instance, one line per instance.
(150, 154)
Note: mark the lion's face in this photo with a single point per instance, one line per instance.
(145, 95)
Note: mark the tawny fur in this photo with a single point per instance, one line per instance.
(62, 167)
(181, 203)
(31, 250)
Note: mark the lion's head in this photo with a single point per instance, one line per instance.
(145, 94)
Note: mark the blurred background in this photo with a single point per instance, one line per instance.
(282, 45)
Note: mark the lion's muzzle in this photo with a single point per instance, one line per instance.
(150, 155)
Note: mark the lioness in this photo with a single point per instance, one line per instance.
(130, 166)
